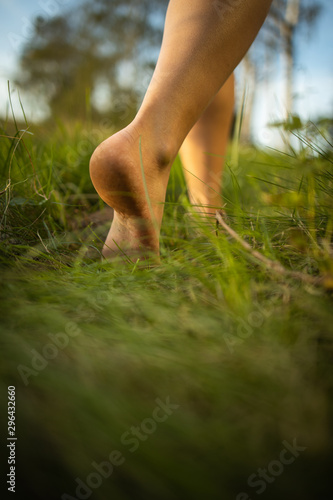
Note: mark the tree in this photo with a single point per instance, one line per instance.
(70, 55)
(277, 39)
(288, 16)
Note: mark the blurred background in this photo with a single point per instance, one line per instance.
(90, 60)
(244, 349)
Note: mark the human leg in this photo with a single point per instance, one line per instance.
(203, 42)
(204, 149)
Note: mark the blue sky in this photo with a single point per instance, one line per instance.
(313, 72)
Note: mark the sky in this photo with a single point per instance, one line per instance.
(313, 84)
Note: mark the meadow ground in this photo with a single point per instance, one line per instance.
(206, 377)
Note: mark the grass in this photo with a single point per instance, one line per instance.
(242, 352)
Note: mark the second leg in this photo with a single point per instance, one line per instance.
(204, 150)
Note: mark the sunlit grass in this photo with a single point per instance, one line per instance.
(244, 351)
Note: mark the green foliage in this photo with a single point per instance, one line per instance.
(70, 55)
(244, 352)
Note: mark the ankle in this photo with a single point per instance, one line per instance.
(162, 147)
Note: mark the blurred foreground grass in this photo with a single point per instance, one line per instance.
(97, 350)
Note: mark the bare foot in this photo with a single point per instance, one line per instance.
(116, 170)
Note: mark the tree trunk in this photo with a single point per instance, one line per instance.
(249, 79)
(287, 33)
